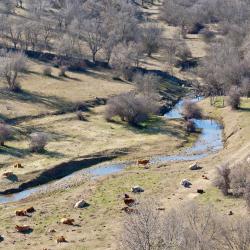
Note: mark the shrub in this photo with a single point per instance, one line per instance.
(207, 35)
(38, 141)
(5, 133)
(131, 107)
(62, 72)
(222, 180)
(190, 126)
(234, 98)
(247, 195)
(47, 71)
(240, 176)
(191, 110)
(11, 65)
(80, 116)
(147, 84)
(186, 227)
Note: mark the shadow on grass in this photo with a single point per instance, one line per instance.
(50, 101)
(13, 151)
(155, 125)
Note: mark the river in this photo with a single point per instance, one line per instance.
(209, 141)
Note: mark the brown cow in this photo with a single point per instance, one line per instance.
(205, 177)
(67, 221)
(23, 229)
(30, 210)
(143, 162)
(21, 213)
(128, 200)
(61, 239)
(8, 174)
(18, 165)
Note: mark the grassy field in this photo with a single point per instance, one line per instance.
(98, 226)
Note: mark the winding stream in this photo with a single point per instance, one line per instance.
(209, 141)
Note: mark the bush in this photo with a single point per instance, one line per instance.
(190, 126)
(80, 116)
(186, 227)
(207, 35)
(234, 98)
(240, 177)
(5, 133)
(47, 71)
(38, 141)
(131, 107)
(191, 110)
(222, 180)
(62, 72)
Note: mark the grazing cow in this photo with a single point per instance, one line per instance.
(23, 229)
(205, 177)
(21, 213)
(67, 221)
(200, 191)
(143, 162)
(128, 200)
(230, 213)
(18, 165)
(61, 239)
(30, 210)
(8, 174)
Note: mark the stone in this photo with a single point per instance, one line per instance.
(186, 183)
(80, 204)
(194, 166)
(137, 189)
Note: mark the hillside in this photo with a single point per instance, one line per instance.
(111, 95)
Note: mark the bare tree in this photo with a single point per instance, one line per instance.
(38, 141)
(223, 180)
(151, 38)
(5, 133)
(11, 65)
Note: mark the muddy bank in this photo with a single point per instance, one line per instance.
(65, 169)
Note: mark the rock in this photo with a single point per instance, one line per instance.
(194, 166)
(80, 204)
(186, 183)
(137, 189)
(248, 160)
(52, 231)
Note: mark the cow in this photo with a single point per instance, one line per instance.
(23, 229)
(143, 162)
(30, 210)
(128, 200)
(67, 221)
(21, 213)
(18, 165)
(61, 239)
(8, 174)
(200, 191)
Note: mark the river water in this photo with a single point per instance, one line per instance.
(209, 141)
